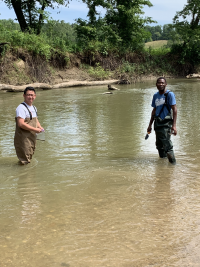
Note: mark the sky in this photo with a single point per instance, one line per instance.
(162, 11)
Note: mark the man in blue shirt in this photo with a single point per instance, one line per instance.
(164, 124)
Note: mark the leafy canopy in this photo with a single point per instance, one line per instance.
(122, 26)
(187, 24)
(31, 13)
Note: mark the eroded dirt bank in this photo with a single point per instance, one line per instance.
(17, 71)
(20, 69)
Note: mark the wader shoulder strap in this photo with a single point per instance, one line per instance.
(29, 110)
(165, 104)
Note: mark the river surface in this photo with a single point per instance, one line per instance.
(96, 193)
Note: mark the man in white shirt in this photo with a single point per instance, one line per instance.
(27, 125)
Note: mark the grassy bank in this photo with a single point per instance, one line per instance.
(156, 44)
(26, 58)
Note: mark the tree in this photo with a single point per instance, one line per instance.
(95, 28)
(168, 32)
(92, 6)
(156, 32)
(187, 25)
(158, 35)
(10, 24)
(123, 24)
(125, 19)
(192, 9)
(31, 13)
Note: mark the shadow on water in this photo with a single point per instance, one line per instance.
(96, 193)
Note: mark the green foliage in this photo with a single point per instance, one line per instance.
(153, 61)
(31, 14)
(126, 21)
(118, 33)
(57, 34)
(30, 42)
(60, 35)
(39, 45)
(162, 51)
(128, 67)
(85, 32)
(98, 37)
(92, 5)
(61, 30)
(158, 32)
(188, 47)
(98, 72)
(3, 50)
(169, 32)
(122, 27)
(9, 24)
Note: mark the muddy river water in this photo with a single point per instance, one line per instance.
(96, 194)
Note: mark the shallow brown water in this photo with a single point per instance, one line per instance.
(96, 194)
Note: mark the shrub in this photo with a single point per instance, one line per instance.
(98, 72)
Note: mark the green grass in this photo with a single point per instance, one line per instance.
(98, 72)
(156, 44)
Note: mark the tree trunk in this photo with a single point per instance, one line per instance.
(41, 19)
(19, 13)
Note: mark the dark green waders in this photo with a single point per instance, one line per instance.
(163, 138)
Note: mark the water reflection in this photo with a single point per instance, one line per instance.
(96, 193)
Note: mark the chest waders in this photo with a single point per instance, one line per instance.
(163, 135)
(25, 141)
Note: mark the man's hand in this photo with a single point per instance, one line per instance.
(149, 129)
(25, 126)
(173, 130)
(37, 130)
(40, 127)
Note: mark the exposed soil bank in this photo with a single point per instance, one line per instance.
(20, 69)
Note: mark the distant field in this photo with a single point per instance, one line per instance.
(156, 44)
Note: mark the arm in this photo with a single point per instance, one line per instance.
(151, 120)
(25, 126)
(174, 109)
(39, 125)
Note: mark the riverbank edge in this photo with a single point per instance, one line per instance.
(72, 83)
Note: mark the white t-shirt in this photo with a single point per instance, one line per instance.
(23, 113)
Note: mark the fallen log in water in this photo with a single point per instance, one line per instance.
(44, 86)
(21, 88)
(194, 75)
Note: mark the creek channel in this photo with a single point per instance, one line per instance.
(96, 193)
